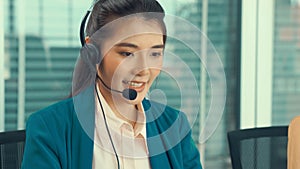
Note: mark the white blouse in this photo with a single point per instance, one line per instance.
(130, 143)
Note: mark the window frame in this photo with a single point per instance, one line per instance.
(2, 71)
(21, 33)
(256, 63)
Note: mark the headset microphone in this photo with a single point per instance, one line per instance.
(129, 94)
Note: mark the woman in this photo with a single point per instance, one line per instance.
(108, 123)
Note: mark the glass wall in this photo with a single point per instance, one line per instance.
(286, 62)
(270, 63)
(42, 45)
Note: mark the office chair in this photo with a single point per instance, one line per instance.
(11, 149)
(259, 148)
(294, 143)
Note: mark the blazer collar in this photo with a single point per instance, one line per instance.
(158, 156)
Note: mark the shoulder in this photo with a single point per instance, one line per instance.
(58, 114)
(48, 133)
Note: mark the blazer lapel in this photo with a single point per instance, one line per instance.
(158, 156)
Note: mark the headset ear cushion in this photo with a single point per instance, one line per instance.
(90, 55)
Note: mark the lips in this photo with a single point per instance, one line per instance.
(136, 85)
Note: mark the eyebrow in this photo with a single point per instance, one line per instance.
(135, 46)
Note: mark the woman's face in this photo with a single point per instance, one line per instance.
(133, 57)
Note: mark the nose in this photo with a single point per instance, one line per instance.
(141, 67)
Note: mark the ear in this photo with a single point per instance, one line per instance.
(87, 39)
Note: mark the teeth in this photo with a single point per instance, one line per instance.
(135, 84)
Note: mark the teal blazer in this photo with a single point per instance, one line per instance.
(55, 139)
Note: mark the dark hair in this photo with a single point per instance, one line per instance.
(105, 11)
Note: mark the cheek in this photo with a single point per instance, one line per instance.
(110, 65)
(154, 73)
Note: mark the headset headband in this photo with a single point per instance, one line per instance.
(83, 23)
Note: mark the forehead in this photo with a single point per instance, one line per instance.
(134, 29)
(134, 26)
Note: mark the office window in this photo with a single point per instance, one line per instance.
(42, 45)
(286, 62)
(223, 30)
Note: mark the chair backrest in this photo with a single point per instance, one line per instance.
(259, 148)
(294, 144)
(11, 149)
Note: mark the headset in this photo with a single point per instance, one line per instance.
(83, 23)
(82, 27)
(129, 94)
(82, 41)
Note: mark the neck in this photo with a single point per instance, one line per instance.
(121, 108)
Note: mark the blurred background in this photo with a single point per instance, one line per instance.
(257, 41)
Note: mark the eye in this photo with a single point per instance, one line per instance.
(126, 54)
(156, 54)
